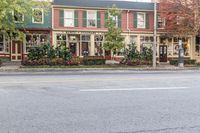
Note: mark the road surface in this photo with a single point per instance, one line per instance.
(161, 102)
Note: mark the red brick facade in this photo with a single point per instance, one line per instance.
(124, 19)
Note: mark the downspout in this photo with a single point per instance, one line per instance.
(127, 17)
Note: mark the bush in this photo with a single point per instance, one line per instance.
(74, 61)
(94, 60)
(0, 62)
(133, 57)
(173, 62)
(186, 62)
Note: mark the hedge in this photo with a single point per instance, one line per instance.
(186, 62)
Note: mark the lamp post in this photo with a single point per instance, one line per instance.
(155, 34)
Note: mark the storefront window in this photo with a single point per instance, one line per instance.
(1, 42)
(34, 40)
(185, 45)
(61, 39)
(197, 48)
(133, 39)
(146, 42)
(99, 45)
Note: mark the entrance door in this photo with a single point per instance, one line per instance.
(16, 51)
(163, 53)
(85, 49)
(72, 47)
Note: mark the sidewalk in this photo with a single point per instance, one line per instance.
(82, 69)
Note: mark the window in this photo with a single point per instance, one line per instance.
(18, 17)
(133, 39)
(1, 42)
(141, 20)
(197, 48)
(34, 40)
(161, 22)
(91, 18)
(61, 39)
(185, 45)
(98, 45)
(115, 19)
(69, 18)
(146, 42)
(38, 15)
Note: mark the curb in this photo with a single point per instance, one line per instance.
(99, 70)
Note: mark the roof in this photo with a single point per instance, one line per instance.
(105, 4)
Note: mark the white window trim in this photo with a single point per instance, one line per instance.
(144, 20)
(42, 16)
(163, 21)
(116, 19)
(18, 21)
(69, 10)
(95, 18)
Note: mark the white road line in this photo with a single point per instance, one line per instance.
(133, 89)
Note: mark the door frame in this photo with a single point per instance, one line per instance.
(163, 53)
(17, 53)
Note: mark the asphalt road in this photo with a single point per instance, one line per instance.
(167, 102)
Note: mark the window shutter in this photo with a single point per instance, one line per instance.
(76, 18)
(147, 21)
(98, 19)
(119, 21)
(61, 18)
(84, 18)
(135, 19)
(105, 19)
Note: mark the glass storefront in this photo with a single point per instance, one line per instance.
(98, 39)
(34, 40)
(173, 45)
(146, 42)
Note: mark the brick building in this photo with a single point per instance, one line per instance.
(81, 26)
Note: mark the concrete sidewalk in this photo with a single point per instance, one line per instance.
(98, 70)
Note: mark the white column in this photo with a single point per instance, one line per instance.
(138, 42)
(92, 53)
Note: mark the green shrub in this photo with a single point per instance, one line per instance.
(173, 62)
(186, 62)
(0, 62)
(94, 61)
(190, 62)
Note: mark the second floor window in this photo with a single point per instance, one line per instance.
(161, 22)
(115, 19)
(38, 15)
(91, 18)
(141, 20)
(69, 18)
(18, 17)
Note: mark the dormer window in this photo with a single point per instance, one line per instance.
(18, 17)
(38, 16)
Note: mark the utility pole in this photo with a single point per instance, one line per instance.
(155, 35)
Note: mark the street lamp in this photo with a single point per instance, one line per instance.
(155, 34)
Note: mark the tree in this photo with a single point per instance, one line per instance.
(182, 16)
(113, 38)
(7, 7)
